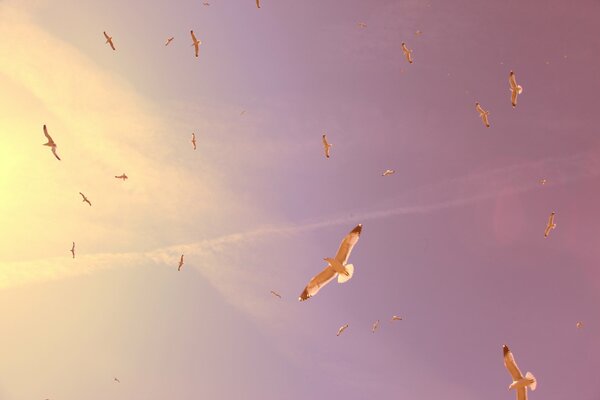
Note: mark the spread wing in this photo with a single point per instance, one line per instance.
(513, 97)
(551, 220)
(347, 244)
(511, 366)
(47, 135)
(258, 3)
(317, 282)
(54, 152)
(522, 393)
(106, 36)
(111, 44)
(512, 81)
(193, 36)
(196, 48)
(484, 117)
(479, 109)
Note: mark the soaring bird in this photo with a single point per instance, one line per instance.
(206, 4)
(418, 32)
(73, 250)
(342, 329)
(180, 263)
(519, 383)
(196, 43)
(116, 380)
(122, 176)
(396, 318)
(514, 89)
(407, 53)
(375, 326)
(543, 181)
(551, 225)
(109, 40)
(194, 140)
(326, 145)
(85, 199)
(483, 114)
(50, 143)
(275, 294)
(169, 40)
(579, 325)
(336, 266)
(388, 172)
(258, 3)
(362, 25)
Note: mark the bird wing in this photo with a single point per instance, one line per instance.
(512, 80)
(409, 57)
(54, 152)
(551, 220)
(111, 44)
(511, 366)
(106, 36)
(513, 97)
(522, 393)
(317, 282)
(347, 244)
(484, 117)
(258, 3)
(479, 109)
(193, 37)
(47, 134)
(82, 195)
(196, 48)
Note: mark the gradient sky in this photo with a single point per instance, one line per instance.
(453, 241)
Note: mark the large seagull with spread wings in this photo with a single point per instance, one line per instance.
(336, 266)
(519, 383)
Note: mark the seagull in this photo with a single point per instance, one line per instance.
(579, 325)
(519, 383)
(243, 112)
(122, 176)
(542, 181)
(418, 32)
(116, 380)
(375, 326)
(483, 114)
(194, 140)
(514, 89)
(342, 329)
(407, 52)
(362, 25)
(396, 318)
(257, 3)
(206, 4)
(169, 40)
(109, 40)
(275, 294)
(196, 43)
(551, 225)
(326, 145)
(180, 263)
(388, 172)
(50, 143)
(73, 250)
(85, 199)
(336, 267)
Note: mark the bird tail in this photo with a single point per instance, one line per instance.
(533, 385)
(345, 278)
(519, 89)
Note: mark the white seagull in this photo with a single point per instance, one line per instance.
(169, 40)
(396, 318)
(336, 266)
(109, 40)
(196, 43)
(514, 89)
(326, 145)
(388, 172)
(375, 326)
(50, 143)
(342, 329)
(407, 52)
(483, 114)
(519, 383)
(551, 225)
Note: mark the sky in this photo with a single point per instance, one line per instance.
(453, 241)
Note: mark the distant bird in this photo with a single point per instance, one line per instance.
(396, 318)
(169, 40)
(85, 199)
(407, 53)
(109, 40)
(50, 143)
(417, 33)
(362, 25)
(122, 176)
(206, 4)
(519, 383)
(196, 43)
(326, 145)
(483, 114)
(275, 294)
(180, 263)
(551, 225)
(388, 172)
(543, 181)
(118, 381)
(194, 140)
(579, 325)
(257, 3)
(243, 112)
(73, 250)
(375, 326)
(342, 329)
(336, 267)
(514, 89)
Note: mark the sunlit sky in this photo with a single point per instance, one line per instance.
(453, 241)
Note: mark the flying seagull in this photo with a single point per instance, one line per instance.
(122, 176)
(519, 383)
(396, 318)
(418, 32)
(196, 43)
(342, 329)
(73, 250)
(257, 3)
(118, 381)
(169, 40)
(375, 326)
(206, 4)
(85, 199)
(388, 172)
(543, 181)
(275, 294)
(109, 40)
(50, 143)
(579, 325)
(194, 140)
(180, 263)
(243, 112)
(514, 89)
(551, 225)
(483, 114)
(336, 266)
(326, 145)
(407, 53)
(362, 25)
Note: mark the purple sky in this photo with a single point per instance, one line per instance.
(453, 242)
